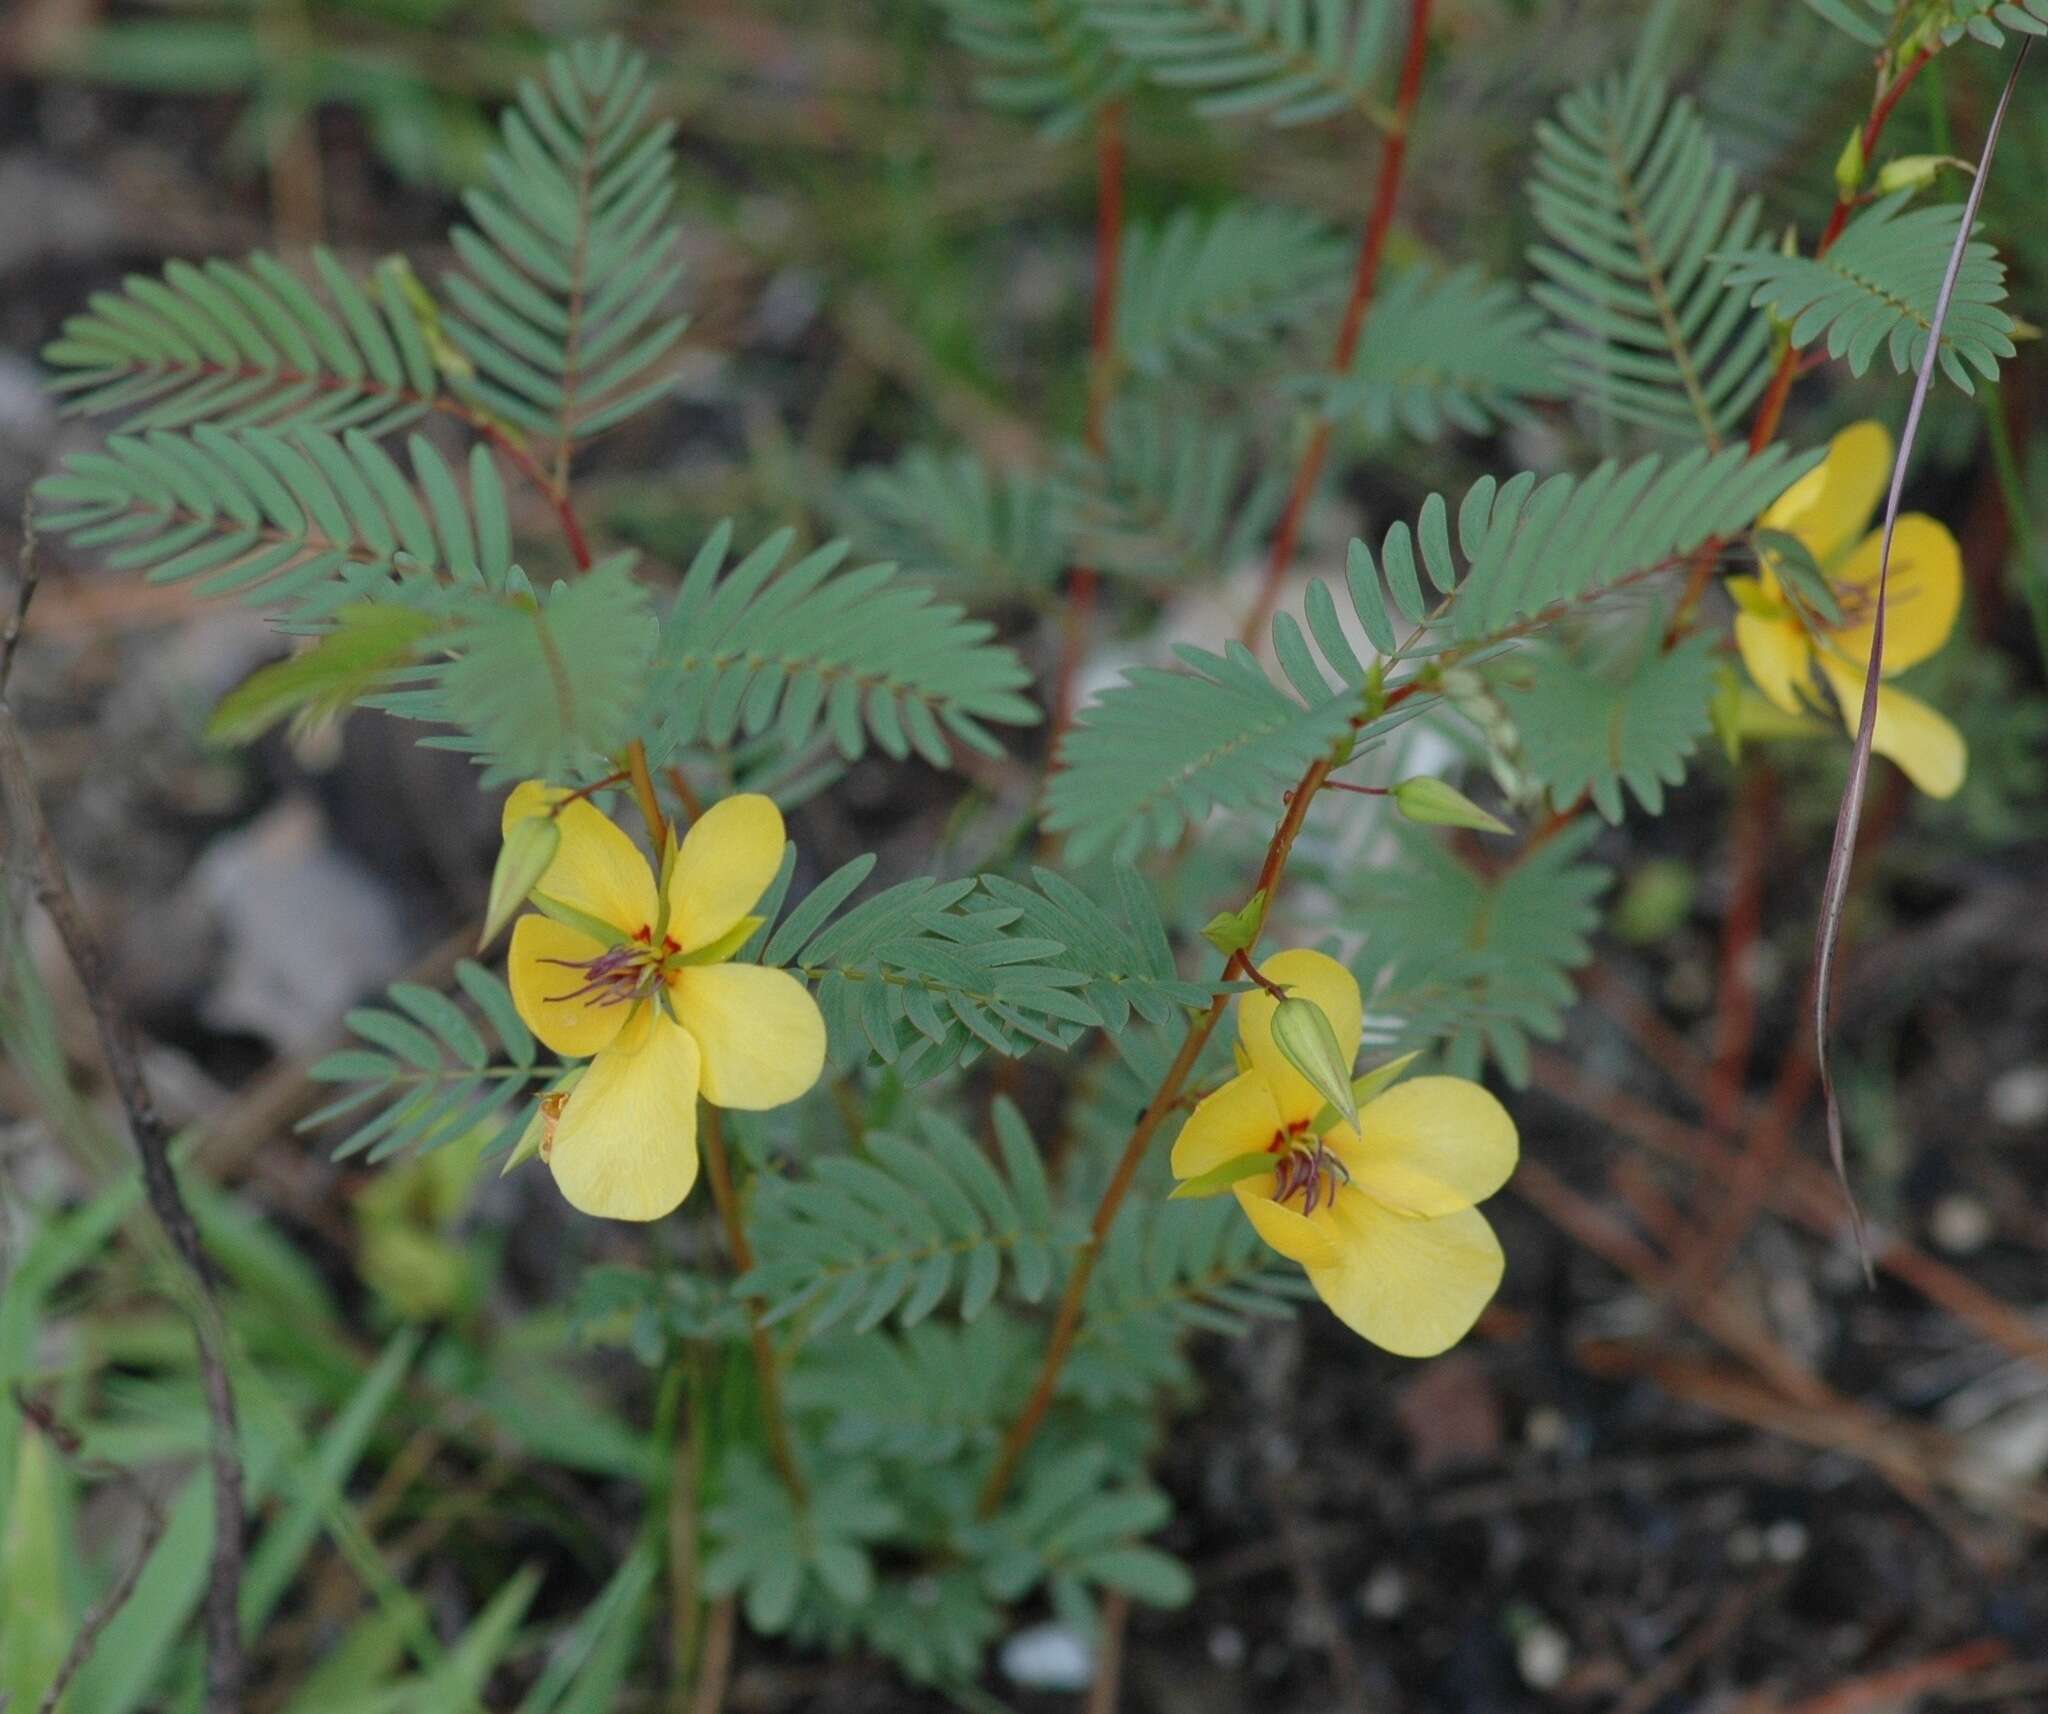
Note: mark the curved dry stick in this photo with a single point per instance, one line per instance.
(1835, 891)
(224, 1663)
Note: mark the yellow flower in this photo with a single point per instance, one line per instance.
(637, 980)
(1382, 1217)
(1829, 509)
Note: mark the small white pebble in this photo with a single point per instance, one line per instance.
(1961, 1225)
(1049, 1657)
(1785, 1541)
(1546, 1429)
(1385, 1595)
(1543, 1655)
(2019, 1097)
(1226, 1646)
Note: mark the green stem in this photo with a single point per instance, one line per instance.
(2012, 489)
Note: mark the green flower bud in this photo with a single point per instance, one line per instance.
(1435, 804)
(1234, 931)
(529, 848)
(1302, 1033)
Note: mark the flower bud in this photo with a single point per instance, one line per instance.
(1302, 1033)
(1435, 804)
(529, 848)
(1234, 931)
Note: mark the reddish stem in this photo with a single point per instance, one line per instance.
(1067, 1320)
(1109, 238)
(1378, 222)
(1765, 429)
(1735, 1007)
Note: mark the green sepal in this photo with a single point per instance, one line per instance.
(724, 946)
(1238, 930)
(1799, 573)
(1381, 1078)
(1363, 1089)
(1218, 1179)
(604, 933)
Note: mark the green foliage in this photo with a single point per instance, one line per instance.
(1528, 546)
(898, 1230)
(954, 522)
(304, 521)
(1588, 729)
(572, 259)
(1164, 748)
(927, 1395)
(928, 974)
(1212, 288)
(1472, 964)
(1170, 497)
(1875, 23)
(538, 686)
(1044, 59)
(250, 345)
(356, 656)
(1075, 1527)
(865, 656)
(1445, 353)
(1155, 755)
(765, 1547)
(1640, 216)
(1171, 1268)
(1877, 287)
(1291, 62)
(427, 1071)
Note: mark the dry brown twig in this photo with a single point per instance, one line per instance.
(45, 1423)
(51, 885)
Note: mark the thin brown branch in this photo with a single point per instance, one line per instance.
(45, 1423)
(1165, 1099)
(122, 1050)
(767, 1373)
(1079, 612)
(714, 1671)
(1372, 248)
(1765, 429)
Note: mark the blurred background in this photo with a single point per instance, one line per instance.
(1689, 1462)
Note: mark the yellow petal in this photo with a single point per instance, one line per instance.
(1923, 594)
(626, 1145)
(1310, 1239)
(1430, 1146)
(762, 1035)
(1412, 1287)
(727, 859)
(1239, 1118)
(598, 870)
(1829, 507)
(540, 971)
(1310, 976)
(1928, 749)
(1778, 655)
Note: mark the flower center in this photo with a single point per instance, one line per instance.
(620, 974)
(1306, 1168)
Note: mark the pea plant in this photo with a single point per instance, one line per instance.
(1205, 1039)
